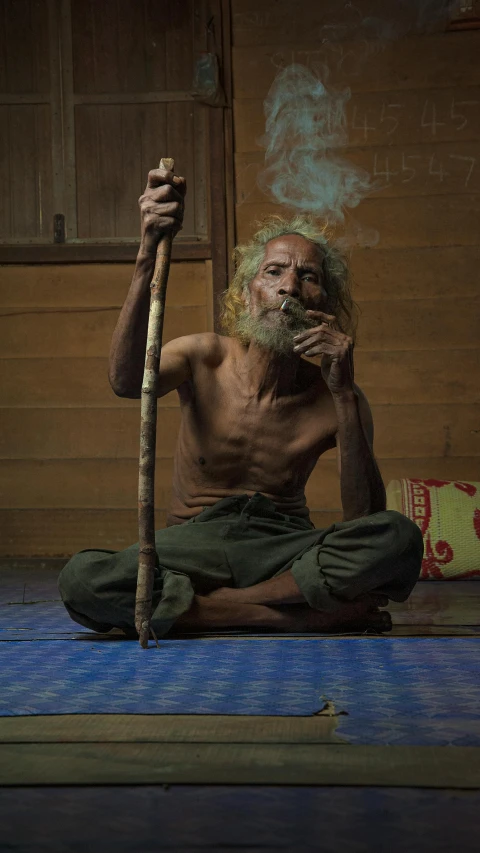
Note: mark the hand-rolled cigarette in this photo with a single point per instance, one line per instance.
(284, 305)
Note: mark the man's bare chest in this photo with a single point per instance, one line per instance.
(222, 418)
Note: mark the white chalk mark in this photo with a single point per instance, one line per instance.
(407, 168)
(471, 160)
(439, 173)
(457, 115)
(386, 173)
(433, 123)
(363, 125)
(394, 119)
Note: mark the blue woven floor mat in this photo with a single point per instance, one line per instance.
(402, 691)
(41, 620)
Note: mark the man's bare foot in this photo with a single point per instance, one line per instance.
(360, 615)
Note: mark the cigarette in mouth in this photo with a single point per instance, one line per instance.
(284, 305)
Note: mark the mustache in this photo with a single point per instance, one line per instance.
(292, 308)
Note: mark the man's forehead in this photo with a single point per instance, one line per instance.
(293, 246)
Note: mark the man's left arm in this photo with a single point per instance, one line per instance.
(361, 485)
(362, 489)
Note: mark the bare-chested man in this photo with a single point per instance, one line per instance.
(239, 549)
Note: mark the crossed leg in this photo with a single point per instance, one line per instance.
(278, 604)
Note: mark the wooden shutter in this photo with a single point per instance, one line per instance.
(97, 94)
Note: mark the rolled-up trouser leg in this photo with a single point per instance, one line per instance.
(98, 587)
(378, 553)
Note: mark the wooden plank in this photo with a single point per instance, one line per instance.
(94, 200)
(44, 200)
(155, 43)
(408, 377)
(82, 483)
(439, 603)
(218, 212)
(90, 251)
(428, 377)
(155, 62)
(27, 206)
(166, 728)
(383, 118)
(409, 273)
(82, 433)
(179, 46)
(21, 131)
(110, 186)
(414, 430)
(94, 36)
(427, 62)
(419, 324)
(396, 171)
(262, 764)
(25, 46)
(121, 98)
(71, 332)
(63, 532)
(399, 222)
(62, 382)
(131, 39)
(272, 21)
(445, 468)
(93, 285)
(5, 197)
(66, 141)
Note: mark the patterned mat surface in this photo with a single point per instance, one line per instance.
(385, 690)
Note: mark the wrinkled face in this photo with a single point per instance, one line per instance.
(291, 269)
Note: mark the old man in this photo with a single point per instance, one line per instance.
(239, 549)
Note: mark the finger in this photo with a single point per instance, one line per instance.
(160, 177)
(325, 345)
(166, 192)
(320, 349)
(157, 177)
(323, 330)
(321, 315)
(168, 209)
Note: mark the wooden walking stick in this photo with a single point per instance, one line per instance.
(148, 436)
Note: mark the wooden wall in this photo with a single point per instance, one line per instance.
(414, 114)
(68, 446)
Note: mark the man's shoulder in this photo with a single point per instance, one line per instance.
(206, 347)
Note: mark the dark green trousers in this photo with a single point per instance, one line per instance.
(239, 542)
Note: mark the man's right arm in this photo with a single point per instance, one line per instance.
(161, 208)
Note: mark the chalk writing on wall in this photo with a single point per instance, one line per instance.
(435, 169)
(389, 116)
(429, 168)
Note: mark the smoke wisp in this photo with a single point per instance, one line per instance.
(305, 125)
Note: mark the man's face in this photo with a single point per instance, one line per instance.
(291, 269)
